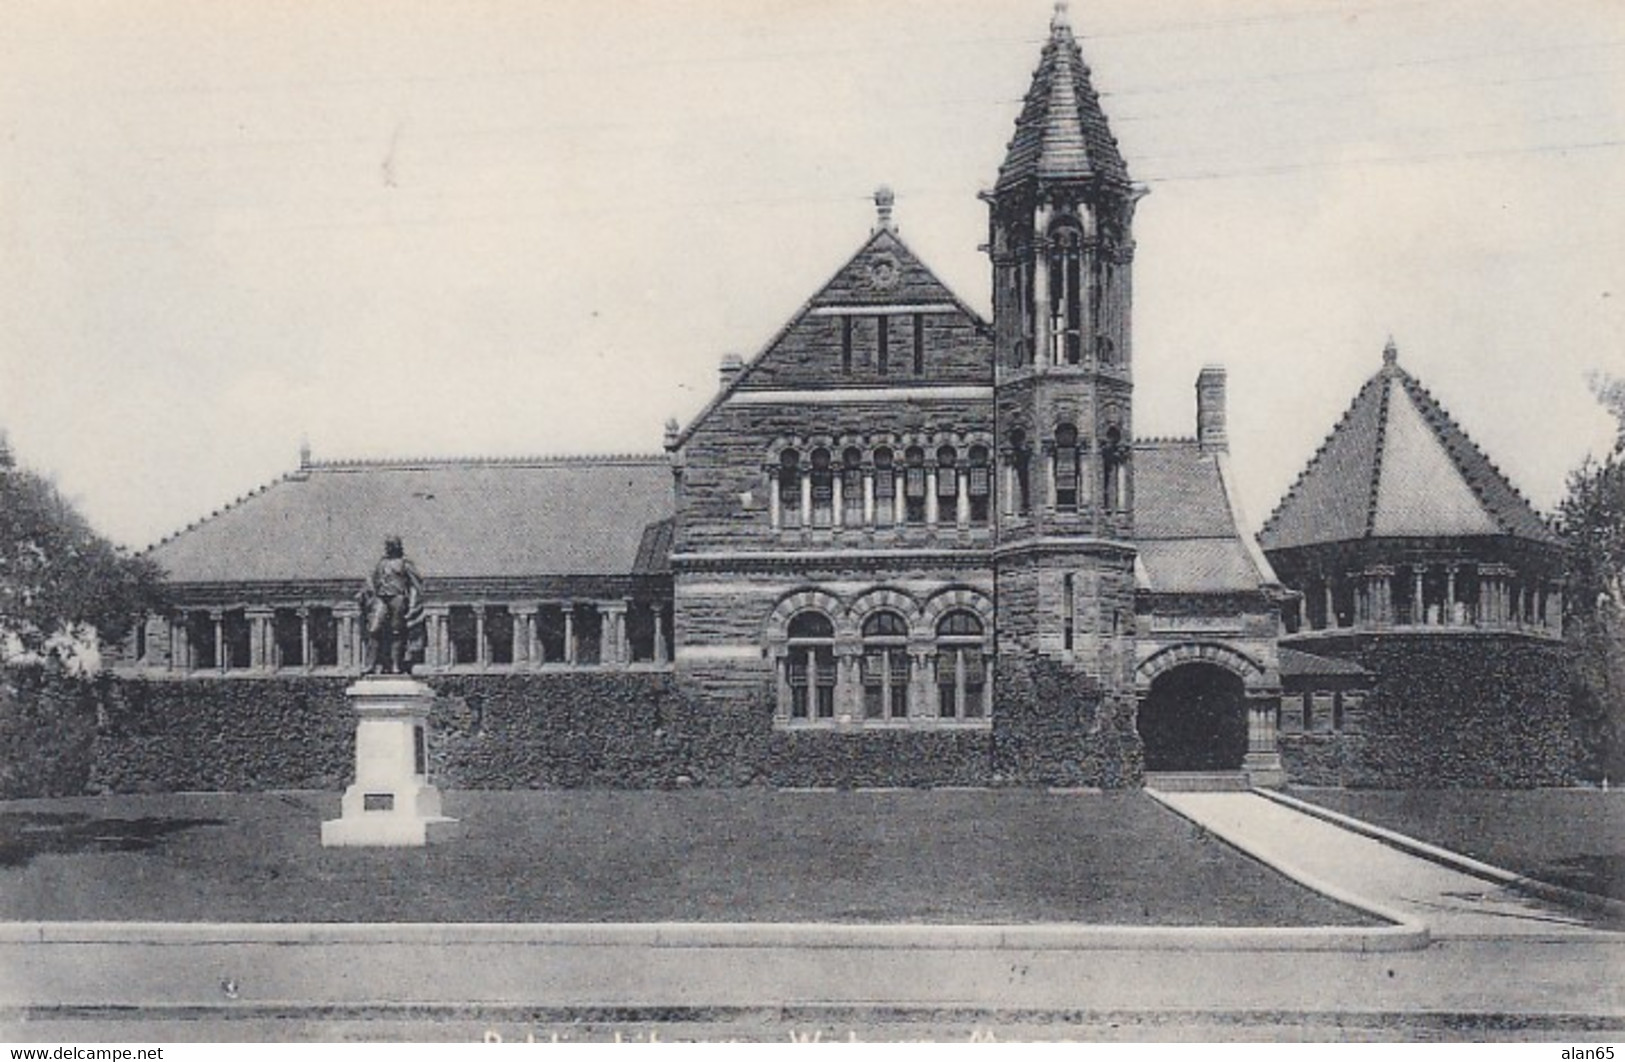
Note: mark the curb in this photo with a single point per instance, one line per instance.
(810, 935)
(1405, 934)
(1454, 860)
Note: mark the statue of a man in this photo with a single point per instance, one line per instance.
(392, 601)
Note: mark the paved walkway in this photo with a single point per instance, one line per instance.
(1351, 867)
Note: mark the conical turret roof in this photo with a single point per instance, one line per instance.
(1398, 466)
(1062, 133)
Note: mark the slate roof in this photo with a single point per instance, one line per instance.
(1296, 662)
(1185, 525)
(1062, 132)
(459, 519)
(1398, 466)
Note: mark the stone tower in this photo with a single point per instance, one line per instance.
(1061, 221)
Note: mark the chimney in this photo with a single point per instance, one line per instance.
(1211, 435)
(731, 365)
(885, 199)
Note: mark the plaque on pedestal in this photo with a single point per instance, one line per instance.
(391, 803)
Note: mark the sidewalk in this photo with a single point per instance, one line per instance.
(1452, 904)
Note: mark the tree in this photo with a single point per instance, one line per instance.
(63, 587)
(1593, 522)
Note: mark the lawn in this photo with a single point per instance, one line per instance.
(595, 856)
(1569, 837)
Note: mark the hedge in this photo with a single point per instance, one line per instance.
(1480, 710)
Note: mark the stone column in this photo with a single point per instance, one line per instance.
(346, 615)
(931, 513)
(305, 660)
(482, 655)
(521, 635)
(1007, 496)
(660, 634)
(868, 500)
(435, 653)
(1450, 594)
(612, 625)
(774, 519)
(533, 644)
(180, 644)
(1331, 606)
(1555, 603)
(569, 610)
(1418, 600)
(1263, 760)
(218, 619)
(1049, 479)
(806, 501)
(261, 647)
(1043, 353)
(962, 503)
(837, 515)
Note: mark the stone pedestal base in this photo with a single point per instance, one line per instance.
(1264, 769)
(391, 803)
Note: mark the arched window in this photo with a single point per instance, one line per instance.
(823, 489)
(1024, 353)
(947, 485)
(980, 484)
(852, 487)
(1020, 461)
(790, 488)
(885, 488)
(961, 670)
(1066, 294)
(914, 486)
(885, 666)
(810, 666)
(1066, 468)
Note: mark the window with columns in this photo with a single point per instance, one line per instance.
(947, 492)
(885, 666)
(822, 478)
(1114, 455)
(1025, 354)
(462, 631)
(810, 667)
(885, 487)
(1021, 496)
(289, 638)
(790, 489)
(961, 667)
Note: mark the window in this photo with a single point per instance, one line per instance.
(790, 488)
(980, 484)
(914, 486)
(885, 488)
(885, 666)
(823, 489)
(1065, 290)
(810, 667)
(1019, 465)
(587, 625)
(1066, 468)
(324, 638)
(498, 636)
(235, 630)
(961, 671)
(882, 344)
(640, 632)
(846, 345)
(287, 631)
(200, 640)
(550, 634)
(947, 484)
(1025, 354)
(919, 344)
(1069, 611)
(462, 630)
(852, 487)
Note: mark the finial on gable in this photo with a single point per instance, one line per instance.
(304, 451)
(1059, 23)
(1390, 353)
(884, 199)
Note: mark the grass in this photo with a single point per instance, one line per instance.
(1569, 837)
(595, 856)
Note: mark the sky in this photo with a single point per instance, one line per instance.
(521, 227)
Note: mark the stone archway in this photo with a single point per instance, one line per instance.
(1194, 718)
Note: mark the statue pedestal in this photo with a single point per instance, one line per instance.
(391, 803)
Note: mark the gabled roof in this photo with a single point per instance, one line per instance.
(1294, 663)
(856, 283)
(1398, 466)
(459, 519)
(1062, 133)
(1187, 527)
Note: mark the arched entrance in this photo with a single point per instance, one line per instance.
(1194, 718)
